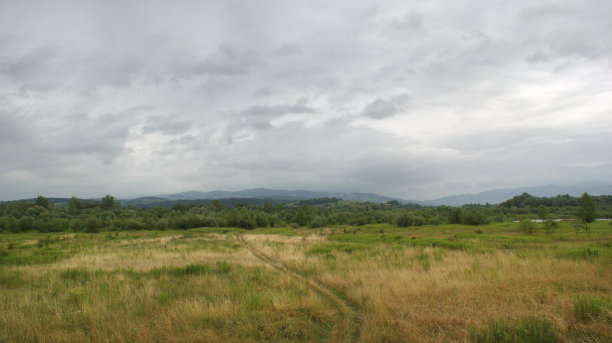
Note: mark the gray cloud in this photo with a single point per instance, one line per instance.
(411, 99)
(271, 111)
(379, 108)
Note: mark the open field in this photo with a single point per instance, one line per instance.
(377, 283)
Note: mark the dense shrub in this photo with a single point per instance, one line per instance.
(473, 217)
(409, 219)
(550, 226)
(527, 227)
(318, 221)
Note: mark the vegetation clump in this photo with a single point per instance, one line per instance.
(589, 307)
(527, 329)
(527, 226)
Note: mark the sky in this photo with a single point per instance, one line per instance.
(411, 99)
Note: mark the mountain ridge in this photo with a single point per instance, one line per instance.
(278, 194)
(496, 196)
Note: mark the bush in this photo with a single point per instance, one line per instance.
(550, 226)
(92, 225)
(408, 219)
(473, 217)
(318, 221)
(527, 329)
(580, 225)
(261, 220)
(246, 223)
(527, 226)
(455, 216)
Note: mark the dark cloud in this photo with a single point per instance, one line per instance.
(379, 108)
(300, 106)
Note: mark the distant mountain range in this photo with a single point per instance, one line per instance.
(261, 195)
(277, 194)
(496, 196)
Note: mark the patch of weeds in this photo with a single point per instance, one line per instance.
(10, 279)
(331, 249)
(439, 255)
(587, 253)
(257, 275)
(20, 257)
(76, 296)
(527, 227)
(45, 241)
(257, 301)
(223, 267)
(526, 329)
(166, 296)
(442, 243)
(550, 226)
(191, 269)
(75, 274)
(423, 259)
(589, 307)
(579, 225)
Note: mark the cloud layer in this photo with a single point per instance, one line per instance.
(404, 98)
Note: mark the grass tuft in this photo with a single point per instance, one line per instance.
(528, 329)
(589, 307)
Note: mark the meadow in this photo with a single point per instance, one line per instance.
(372, 283)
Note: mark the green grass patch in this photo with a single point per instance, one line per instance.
(11, 279)
(587, 253)
(190, 269)
(34, 255)
(589, 307)
(283, 231)
(524, 330)
(194, 269)
(330, 249)
(75, 274)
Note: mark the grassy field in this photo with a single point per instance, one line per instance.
(381, 283)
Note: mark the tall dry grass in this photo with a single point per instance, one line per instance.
(412, 294)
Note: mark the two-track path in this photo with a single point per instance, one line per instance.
(347, 326)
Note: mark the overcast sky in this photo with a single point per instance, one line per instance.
(414, 99)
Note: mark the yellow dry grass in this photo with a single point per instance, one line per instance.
(136, 289)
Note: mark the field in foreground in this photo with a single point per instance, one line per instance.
(364, 284)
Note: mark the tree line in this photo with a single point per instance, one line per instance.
(81, 215)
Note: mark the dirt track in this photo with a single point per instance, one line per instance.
(347, 326)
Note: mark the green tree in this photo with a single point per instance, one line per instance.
(74, 205)
(217, 205)
(455, 216)
(108, 202)
(542, 212)
(587, 209)
(43, 202)
(268, 208)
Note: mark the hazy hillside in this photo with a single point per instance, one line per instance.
(265, 193)
(496, 196)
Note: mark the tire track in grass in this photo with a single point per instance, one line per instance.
(347, 326)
